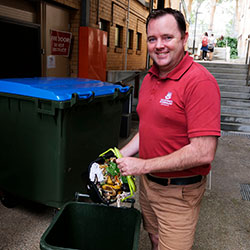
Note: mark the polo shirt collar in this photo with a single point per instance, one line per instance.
(178, 71)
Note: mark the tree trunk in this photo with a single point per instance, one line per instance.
(213, 8)
(237, 17)
(190, 6)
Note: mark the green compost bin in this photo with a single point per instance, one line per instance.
(93, 227)
(51, 128)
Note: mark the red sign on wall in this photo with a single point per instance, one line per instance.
(60, 42)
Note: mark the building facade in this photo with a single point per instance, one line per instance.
(244, 28)
(41, 38)
(27, 28)
(34, 21)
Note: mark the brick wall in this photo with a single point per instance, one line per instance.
(75, 23)
(116, 13)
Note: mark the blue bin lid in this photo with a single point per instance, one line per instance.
(57, 88)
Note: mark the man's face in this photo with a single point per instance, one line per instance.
(165, 44)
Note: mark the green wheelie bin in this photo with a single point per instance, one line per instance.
(91, 226)
(51, 128)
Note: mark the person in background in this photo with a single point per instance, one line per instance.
(211, 45)
(204, 46)
(221, 38)
(179, 125)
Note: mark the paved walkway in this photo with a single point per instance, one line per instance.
(234, 61)
(224, 222)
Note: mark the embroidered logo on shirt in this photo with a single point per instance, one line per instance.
(167, 100)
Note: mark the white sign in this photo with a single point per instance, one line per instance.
(51, 62)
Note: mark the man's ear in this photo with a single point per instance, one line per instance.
(185, 38)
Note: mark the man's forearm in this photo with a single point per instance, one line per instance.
(132, 147)
(199, 152)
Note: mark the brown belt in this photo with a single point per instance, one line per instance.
(175, 181)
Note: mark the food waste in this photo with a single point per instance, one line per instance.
(111, 185)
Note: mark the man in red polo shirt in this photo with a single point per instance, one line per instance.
(179, 112)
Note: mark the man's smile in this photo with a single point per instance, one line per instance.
(161, 53)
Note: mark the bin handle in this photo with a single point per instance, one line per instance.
(123, 92)
(124, 89)
(88, 97)
(40, 110)
(119, 92)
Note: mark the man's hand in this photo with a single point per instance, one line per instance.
(131, 166)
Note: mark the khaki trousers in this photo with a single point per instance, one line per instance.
(171, 212)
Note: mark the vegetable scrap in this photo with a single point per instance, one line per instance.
(111, 185)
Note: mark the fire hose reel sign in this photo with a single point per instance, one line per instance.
(60, 42)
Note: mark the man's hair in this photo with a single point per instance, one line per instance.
(156, 13)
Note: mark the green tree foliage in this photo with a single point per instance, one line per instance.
(230, 42)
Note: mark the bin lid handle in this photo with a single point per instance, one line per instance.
(86, 95)
(124, 89)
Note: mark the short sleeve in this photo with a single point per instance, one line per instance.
(202, 106)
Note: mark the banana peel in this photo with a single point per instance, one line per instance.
(130, 179)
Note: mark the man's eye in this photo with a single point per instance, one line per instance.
(167, 38)
(151, 39)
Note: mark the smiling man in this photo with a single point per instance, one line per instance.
(179, 112)
(166, 43)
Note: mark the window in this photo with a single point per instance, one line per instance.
(130, 39)
(118, 36)
(104, 25)
(138, 41)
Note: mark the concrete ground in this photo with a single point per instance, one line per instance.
(224, 222)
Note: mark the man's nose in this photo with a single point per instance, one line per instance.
(159, 43)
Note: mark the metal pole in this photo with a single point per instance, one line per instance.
(196, 17)
(85, 10)
(160, 4)
(248, 60)
(150, 9)
(126, 50)
(248, 41)
(196, 14)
